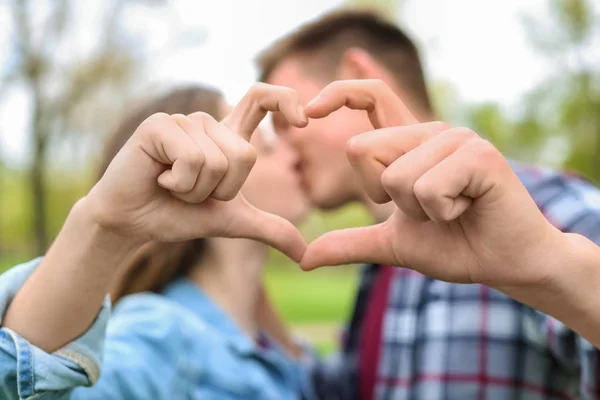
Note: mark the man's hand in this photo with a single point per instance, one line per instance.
(179, 177)
(462, 214)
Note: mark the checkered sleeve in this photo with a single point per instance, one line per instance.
(572, 205)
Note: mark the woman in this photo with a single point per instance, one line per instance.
(187, 317)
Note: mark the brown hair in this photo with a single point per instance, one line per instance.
(156, 264)
(322, 43)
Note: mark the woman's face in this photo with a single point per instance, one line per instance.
(274, 185)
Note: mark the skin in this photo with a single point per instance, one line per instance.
(450, 190)
(166, 183)
(326, 175)
(321, 146)
(231, 271)
(456, 193)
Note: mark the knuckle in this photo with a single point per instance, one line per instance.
(333, 87)
(289, 94)
(217, 165)
(335, 84)
(195, 158)
(157, 120)
(391, 180)
(201, 116)
(245, 154)
(178, 116)
(461, 134)
(377, 87)
(484, 150)
(258, 89)
(357, 148)
(154, 126)
(425, 192)
(376, 83)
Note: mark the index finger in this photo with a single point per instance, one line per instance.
(260, 99)
(385, 109)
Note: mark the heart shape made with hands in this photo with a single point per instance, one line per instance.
(456, 198)
(202, 164)
(384, 109)
(458, 204)
(179, 177)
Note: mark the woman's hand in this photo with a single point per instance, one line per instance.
(179, 177)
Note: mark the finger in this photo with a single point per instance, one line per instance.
(372, 152)
(260, 99)
(473, 171)
(400, 177)
(240, 156)
(384, 108)
(215, 163)
(269, 137)
(163, 140)
(272, 230)
(350, 246)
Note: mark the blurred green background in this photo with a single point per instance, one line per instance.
(73, 105)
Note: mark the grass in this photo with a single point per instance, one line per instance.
(7, 261)
(314, 304)
(310, 297)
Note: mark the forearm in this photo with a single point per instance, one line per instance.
(571, 296)
(64, 294)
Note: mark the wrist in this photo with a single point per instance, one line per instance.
(578, 281)
(88, 220)
(62, 297)
(569, 290)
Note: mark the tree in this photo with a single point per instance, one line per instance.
(559, 121)
(568, 105)
(64, 77)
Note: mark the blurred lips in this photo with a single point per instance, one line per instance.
(300, 173)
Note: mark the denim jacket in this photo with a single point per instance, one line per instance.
(178, 345)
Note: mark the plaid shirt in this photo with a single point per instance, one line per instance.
(455, 341)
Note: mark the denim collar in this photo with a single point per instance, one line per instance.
(192, 297)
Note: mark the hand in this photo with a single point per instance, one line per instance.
(462, 214)
(179, 177)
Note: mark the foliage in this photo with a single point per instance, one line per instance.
(559, 120)
(71, 83)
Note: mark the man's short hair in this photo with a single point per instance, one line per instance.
(322, 43)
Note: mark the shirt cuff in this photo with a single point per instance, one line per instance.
(36, 371)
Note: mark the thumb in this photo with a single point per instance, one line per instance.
(272, 230)
(350, 246)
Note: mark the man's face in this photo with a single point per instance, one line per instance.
(324, 168)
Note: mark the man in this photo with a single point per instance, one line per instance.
(56, 303)
(412, 336)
